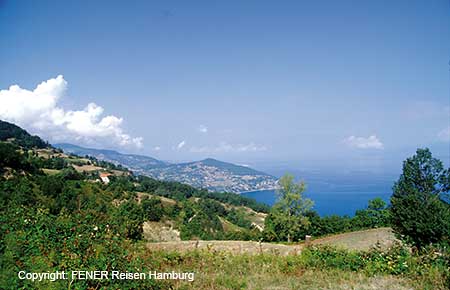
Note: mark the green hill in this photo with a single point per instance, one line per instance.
(48, 170)
(134, 162)
(16, 135)
(209, 173)
(230, 167)
(56, 215)
(215, 175)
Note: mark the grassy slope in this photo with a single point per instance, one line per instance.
(222, 270)
(166, 231)
(302, 279)
(359, 240)
(239, 265)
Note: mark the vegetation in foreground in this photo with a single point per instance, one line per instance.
(316, 267)
(420, 202)
(55, 217)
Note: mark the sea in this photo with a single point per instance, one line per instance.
(340, 194)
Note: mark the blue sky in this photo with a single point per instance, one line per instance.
(358, 84)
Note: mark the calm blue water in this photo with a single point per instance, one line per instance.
(340, 203)
(341, 195)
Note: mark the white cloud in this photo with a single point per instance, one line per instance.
(203, 129)
(371, 142)
(38, 111)
(444, 135)
(225, 147)
(181, 145)
(156, 148)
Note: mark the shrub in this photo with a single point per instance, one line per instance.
(153, 209)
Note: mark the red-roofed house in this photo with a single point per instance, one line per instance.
(104, 177)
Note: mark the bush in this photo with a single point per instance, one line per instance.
(129, 219)
(153, 209)
(238, 218)
(398, 260)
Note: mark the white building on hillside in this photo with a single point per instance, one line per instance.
(104, 177)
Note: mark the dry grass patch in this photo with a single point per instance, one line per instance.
(234, 247)
(257, 218)
(48, 153)
(164, 200)
(87, 168)
(304, 279)
(220, 270)
(360, 240)
(51, 171)
(160, 231)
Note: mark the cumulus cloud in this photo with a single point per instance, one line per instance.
(181, 145)
(225, 147)
(371, 142)
(38, 111)
(203, 129)
(444, 135)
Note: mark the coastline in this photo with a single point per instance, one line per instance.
(264, 189)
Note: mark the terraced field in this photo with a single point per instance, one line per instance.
(359, 240)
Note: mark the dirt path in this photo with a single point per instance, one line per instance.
(360, 240)
(235, 247)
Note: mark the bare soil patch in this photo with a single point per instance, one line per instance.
(360, 240)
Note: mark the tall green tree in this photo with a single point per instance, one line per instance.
(420, 212)
(377, 214)
(288, 215)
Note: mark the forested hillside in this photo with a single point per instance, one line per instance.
(54, 207)
(209, 173)
(134, 162)
(66, 212)
(14, 134)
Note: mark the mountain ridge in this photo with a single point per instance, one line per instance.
(113, 156)
(17, 135)
(209, 173)
(215, 162)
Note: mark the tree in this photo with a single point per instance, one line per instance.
(129, 218)
(420, 214)
(378, 213)
(287, 216)
(153, 209)
(375, 215)
(376, 204)
(9, 156)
